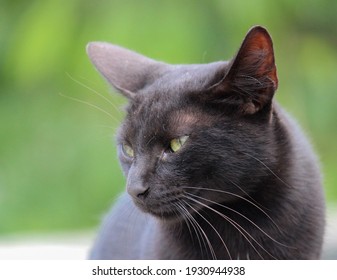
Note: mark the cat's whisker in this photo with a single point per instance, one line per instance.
(258, 206)
(243, 216)
(216, 232)
(238, 196)
(91, 105)
(240, 229)
(247, 194)
(94, 91)
(203, 233)
(186, 215)
(236, 226)
(271, 171)
(232, 222)
(179, 212)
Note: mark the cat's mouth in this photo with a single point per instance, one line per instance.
(165, 210)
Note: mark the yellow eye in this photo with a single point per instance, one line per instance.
(128, 150)
(177, 143)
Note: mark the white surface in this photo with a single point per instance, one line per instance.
(70, 246)
(330, 241)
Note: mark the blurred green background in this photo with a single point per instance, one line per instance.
(58, 164)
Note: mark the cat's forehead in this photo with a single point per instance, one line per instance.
(173, 90)
(165, 107)
(186, 78)
(159, 111)
(157, 116)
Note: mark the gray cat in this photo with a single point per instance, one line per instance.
(215, 168)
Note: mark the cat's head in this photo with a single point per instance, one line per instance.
(192, 131)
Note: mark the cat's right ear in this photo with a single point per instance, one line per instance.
(251, 79)
(127, 71)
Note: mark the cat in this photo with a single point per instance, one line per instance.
(215, 168)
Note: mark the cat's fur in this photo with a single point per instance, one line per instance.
(245, 185)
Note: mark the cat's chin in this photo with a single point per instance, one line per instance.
(167, 217)
(161, 213)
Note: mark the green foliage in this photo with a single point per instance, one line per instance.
(58, 164)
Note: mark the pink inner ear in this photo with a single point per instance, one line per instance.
(251, 81)
(257, 50)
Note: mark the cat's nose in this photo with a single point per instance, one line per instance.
(135, 185)
(137, 190)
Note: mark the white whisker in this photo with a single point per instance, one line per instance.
(89, 104)
(247, 194)
(238, 196)
(217, 233)
(186, 215)
(271, 171)
(94, 91)
(235, 225)
(203, 233)
(243, 216)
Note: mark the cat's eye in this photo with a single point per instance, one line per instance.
(127, 150)
(177, 143)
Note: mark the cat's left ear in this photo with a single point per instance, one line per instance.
(251, 80)
(126, 70)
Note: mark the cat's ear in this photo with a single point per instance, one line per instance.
(251, 80)
(125, 70)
